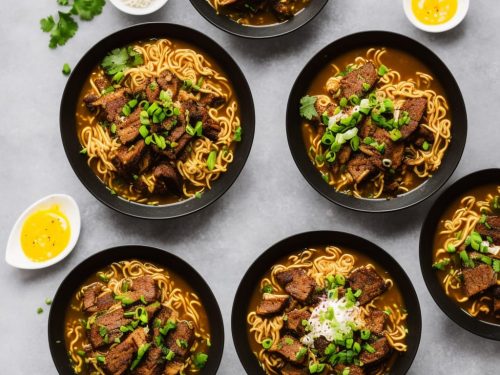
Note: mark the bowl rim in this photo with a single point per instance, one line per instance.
(462, 10)
(451, 158)
(288, 246)
(247, 114)
(144, 253)
(256, 32)
(429, 226)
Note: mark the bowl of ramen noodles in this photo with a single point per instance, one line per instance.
(157, 121)
(259, 18)
(326, 303)
(376, 122)
(135, 310)
(460, 252)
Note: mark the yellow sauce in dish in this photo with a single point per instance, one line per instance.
(45, 233)
(434, 12)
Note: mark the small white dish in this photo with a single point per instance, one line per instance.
(14, 254)
(136, 10)
(462, 9)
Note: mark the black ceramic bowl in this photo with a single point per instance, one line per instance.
(68, 125)
(297, 243)
(365, 40)
(258, 32)
(449, 306)
(71, 284)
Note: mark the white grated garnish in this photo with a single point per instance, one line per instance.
(340, 323)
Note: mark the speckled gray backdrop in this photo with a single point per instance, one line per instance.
(268, 202)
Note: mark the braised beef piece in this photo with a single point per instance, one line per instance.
(127, 159)
(180, 339)
(290, 369)
(367, 128)
(211, 100)
(361, 167)
(369, 282)
(196, 111)
(415, 108)
(422, 135)
(320, 344)
(297, 283)
(89, 99)
(211, 129)
(344, 154)
(167, 180)
(128, 130)
(152, 90)
(294, 320)
(382, 350)
(495, 291)
(493, 231)
(112, 103)
(106, 328)
(272, 304)
(375, 322)
(353, 369)
(352, 83)
(120, 357)
(173, 368)
(94, 300)
(101, 83)
(164, 315)
(169, 82)
(177, 133)
(393, 151)
(478, 279)
(152, 364)
(328, 109)
(288, 347)
(143, 289)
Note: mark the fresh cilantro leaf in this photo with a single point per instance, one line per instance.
(307, 109)
(64, 29)
(121, 58)
(63, 2)
(47, 23)
(87, 9)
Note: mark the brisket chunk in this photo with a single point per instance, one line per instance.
(106, 328)
(167, 179)
(415, 108)
(127, 159)
(297, 283)
(169, 82)
(294, 321)
(180, 340)
(493, 231)
(369, 282)
(164, 315)
(353, 369)
(290, 369)
(352, 83)
(288, 347)
(211, 129)
(94, 300)
(478, 279)
(119, 358)
(143, 289)
(101, 83)
(320, 344)
(393, 151)
(382, 350)
(272, 304)
(152, 364)
(152, 91)
(375, 322)
(212, 100)
(360, 167)
(112, 103)
(173, 368)
(128, 130)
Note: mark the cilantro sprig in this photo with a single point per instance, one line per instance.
(121, 58)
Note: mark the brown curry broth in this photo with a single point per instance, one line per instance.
(73, 313)
(265, 17)
(439, 239)
(122, 187)
(389, 298)
(407, 66)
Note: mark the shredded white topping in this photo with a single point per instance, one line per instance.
(138, 3)
(492, 249)
(333, 320)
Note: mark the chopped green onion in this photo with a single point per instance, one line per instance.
(486, 260)
(100, 358)
(382, 70)
(355, 143)
(143, 131)
(200, 360)
(140, 353)
(212, 158)
(369, 348)
(66, 69)
(496, 265)
(48, 301)
(268, 288)
(366, 86)
(39, 310)
(343, 102)
(465, 259)
(83, 151)
(170, 355)
(450, 248)
(81, 353)
(301, 353)
(426, 146)
(441, 264)
(117, 77)
(365, 334)
(112, 128)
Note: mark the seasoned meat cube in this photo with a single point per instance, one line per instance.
(112, 103)
(272, 304)
(328, 109)
(164, 315)
(89, 100)
(290, 369)
(478, 279)
(369, 282)
(294, 321)
(167, 179)
(344, 154)
(181, 151)
(106, 328)
(169, 82)
(415, 108)
(382, 350)
(94, 300)
(128, 130)
(496, 299)
(423, 134)
(367, 128)
(352, 83)
(119, 358)
(353, 369)
(288, 347)
(393, 151)
(176, 133)
(152, 91)
(173, 368)
(297, 283)
(196, 112)
(180, 340)
(211, 129)
(127, 159)
(321, 343)
(493, 231)
(360, 167)
(101, 83)
(153, 363)
(143, 289)
(375, 322)
(212, 100)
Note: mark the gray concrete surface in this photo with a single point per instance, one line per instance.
(268, 202)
